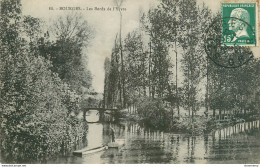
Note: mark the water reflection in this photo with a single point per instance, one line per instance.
(235, 144)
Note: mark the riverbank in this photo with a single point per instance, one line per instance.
(198, 124)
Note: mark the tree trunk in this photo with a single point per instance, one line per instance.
(177, 95)
(149, 76)
(207, 90)
(122, 65)
(189, 90)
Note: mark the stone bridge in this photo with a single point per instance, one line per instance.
(102, 113)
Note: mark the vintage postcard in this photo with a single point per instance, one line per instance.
(129, 82)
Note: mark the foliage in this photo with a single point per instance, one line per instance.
(38, 109)
(177, 28)
(66, 52)
(74, 28)
(68, 63)
(112, 78)
(135, 66)
(193, 126)
(154, 113)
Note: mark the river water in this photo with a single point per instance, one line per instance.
(235, 144)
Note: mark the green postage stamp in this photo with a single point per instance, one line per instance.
(239, 24)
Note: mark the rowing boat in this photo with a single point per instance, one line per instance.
(117, 144)
(89, 151)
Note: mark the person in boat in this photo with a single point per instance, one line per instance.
(112, 133)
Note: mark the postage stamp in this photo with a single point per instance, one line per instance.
(228, 56)
(239, 24)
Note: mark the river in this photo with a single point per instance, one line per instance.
(235, 144)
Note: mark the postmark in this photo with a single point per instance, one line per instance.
(228, 56)
(239, 24)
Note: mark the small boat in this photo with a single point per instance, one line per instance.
(223, 121)
(89, 151)
(117, 144)
(240, 121)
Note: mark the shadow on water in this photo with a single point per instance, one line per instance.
(235, 144)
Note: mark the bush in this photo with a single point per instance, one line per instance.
(35, 110)
(153, 113)
(196, 125)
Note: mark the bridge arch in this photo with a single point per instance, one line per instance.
(102, 113)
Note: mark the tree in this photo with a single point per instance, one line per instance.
(36, 106)
(31, 28)
(205, 17)
(74, 28)
(112, 84)
(160, 64)
(66, 53)
(122, 79)
(107, 66)
(170, 24)
(192, 54)
(135, 66)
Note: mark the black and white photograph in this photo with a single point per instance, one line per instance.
(129, 82)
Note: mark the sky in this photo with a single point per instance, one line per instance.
(105, 24)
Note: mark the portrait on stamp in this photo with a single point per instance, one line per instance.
(237, 25)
